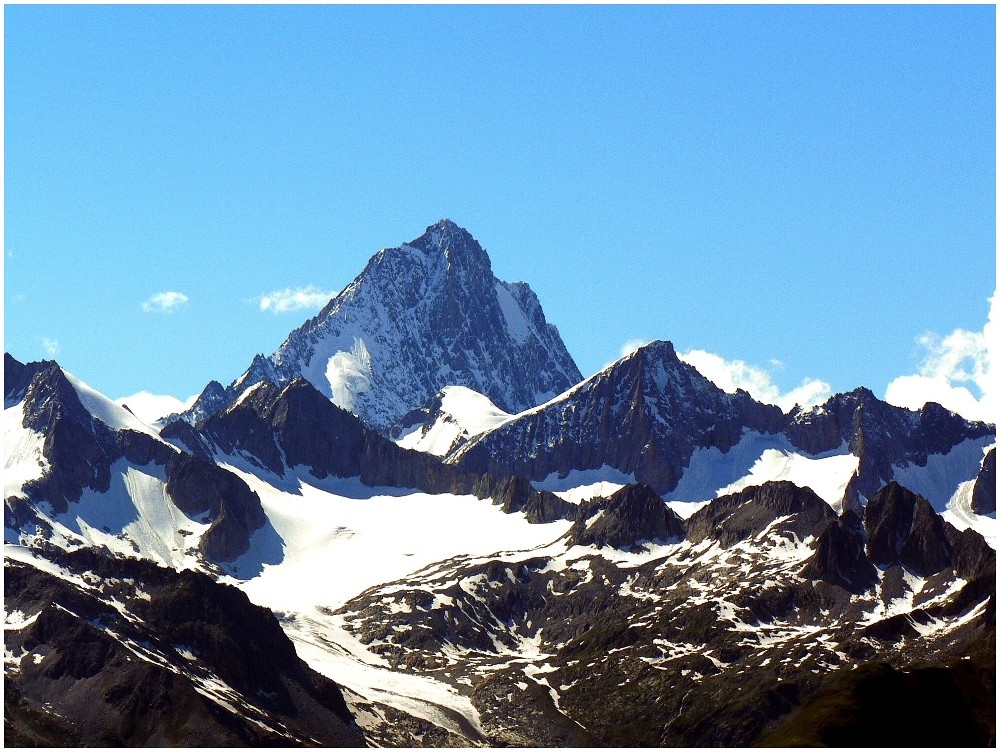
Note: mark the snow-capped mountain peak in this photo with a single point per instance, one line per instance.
(421, 316)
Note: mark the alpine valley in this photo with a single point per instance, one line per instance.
(417, 524)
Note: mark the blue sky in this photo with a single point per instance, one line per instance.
(808, 191)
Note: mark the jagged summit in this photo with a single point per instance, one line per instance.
(420, 317)
(642, 416)
(447, 236)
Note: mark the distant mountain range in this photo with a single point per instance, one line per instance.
(417, 524)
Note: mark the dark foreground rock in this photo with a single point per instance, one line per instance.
(142, 655)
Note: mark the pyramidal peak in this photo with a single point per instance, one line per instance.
(445, 233)
(422, 316)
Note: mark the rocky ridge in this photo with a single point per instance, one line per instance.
(134, 654)
(716, 638)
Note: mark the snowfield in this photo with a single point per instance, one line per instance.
(332, 542)
(23, 458)
(328, 543)
(465, 413)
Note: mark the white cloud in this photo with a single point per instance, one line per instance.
(758, 381)
(957, 372)
(148, 407)
(289, 299)
(631, 346)
(166, 301)
(50, 346)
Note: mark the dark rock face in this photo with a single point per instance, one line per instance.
(138, 681)
(515, 494)
(879, 434)
(202, 489)
(904, 529)
(298, 426)
(181, 432)
(17, 376)
(972, 557)
(984, 493)
(632, 515)
(646, 416)
(840, 556)
(540, 721)
(244, 428)
(876, 705)
(739, 516)
(80, 450)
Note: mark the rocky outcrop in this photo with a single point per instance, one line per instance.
(213, 398)
(984, 493)
(840, 556)
(903, 529)
(880, 435)
(745, 514)
(193, 663)
(202, 490)
(629, 518)
(184, 435)
(516, 494)
(18, 376)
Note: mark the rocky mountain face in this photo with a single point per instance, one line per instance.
(644, 416)
(135, 655)
(881, 436)
(279, 430)
(422, 316)
(78, 452)
(984, 494)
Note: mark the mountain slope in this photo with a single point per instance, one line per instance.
(643, 416)
(422, 316)
(83, 470)
(652, 418)
(710, 638)
(113, 651)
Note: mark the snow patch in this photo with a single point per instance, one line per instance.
(577, 486)
(464, 413)
(24, 459)
(323, 643)
(517, 324)
(363, 538)
(349, 374)
(939, 480)
(759, 458)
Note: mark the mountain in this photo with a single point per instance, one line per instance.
(416, 526)
(134, 654)
(651, 418)
(81, 470)
(643, 416)
(423, 316)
